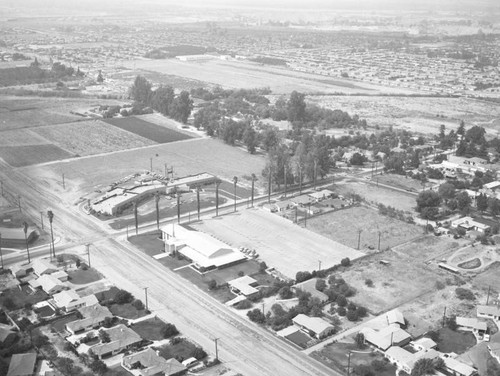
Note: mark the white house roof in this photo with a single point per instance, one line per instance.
(315, 324)
(490, 310)
(395, 317)
(471, 323)
(425, 343)
(43, 266)
(492, 185)
(459, 367)
(92, 315)
(243, 284)
(48, 283)
(60, 274)
(287, 331)
(63, 298)
(120, 337)
(385, 337)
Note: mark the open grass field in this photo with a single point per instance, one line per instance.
(430, 247)
(281, 244)
(20, 137)
(343, 226)
(127, 311)
(149, 329)
(145, 129)
(399, 181)
(91, 137)
(457, 342)
(20, 156)
(417, 114)
(85, 175)
(82, 277)
(240, 74)
(488, 278)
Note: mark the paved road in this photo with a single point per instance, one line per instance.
(244, 346)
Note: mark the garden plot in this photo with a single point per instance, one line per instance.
(91, 137)
(344, 226)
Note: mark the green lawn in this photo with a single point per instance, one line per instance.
(82, 277)
(127, 311)
(107, 295)
(182, 350)
(149, 329)
(149, 243)
(457, 342)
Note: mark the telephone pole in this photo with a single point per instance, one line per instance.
(216, 350)
(359, 238)
(146, 294)
(88, 253)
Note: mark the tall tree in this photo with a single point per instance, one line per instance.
(162, 99)
(50, 215)
(140, 91)
(250, 139)
(482, 202)
(181, 107)
(296, 107)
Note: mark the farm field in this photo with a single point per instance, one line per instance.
(168, 123)
(371, 193)
(18, 137)
(147, 130)
(343, 226)
(399, 181)
(239, 74)
(416, 113)
(281, 244)
(84, 175)
(20, 156)
(91, 137)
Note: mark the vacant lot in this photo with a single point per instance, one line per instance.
(127, 311)
(344, 226)
(238, 74)
(149, 329)
(91, 137)
(20, 156)
(457, 342)
(82, 277)
(416, 114)
(153, 132)
(489, 278)
(391, 283)
(281, 244)
(399, 181)
(430, 247)
(378, 194)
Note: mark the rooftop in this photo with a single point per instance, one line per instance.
(315, 324)
(22, 364)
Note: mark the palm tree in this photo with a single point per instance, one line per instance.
(235, 181)
(51, 218)
(217, 198)
(178, 208)
(25, 228)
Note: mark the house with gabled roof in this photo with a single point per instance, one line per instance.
(489, 312)
(43, 266)
(494, 350)
(149, 363)
(310, 287)
(69, 300)
(314, 326)
(406, 360)
(93, 317)
(395, 317)
(120, 338)
(391, 335)
(47, 283)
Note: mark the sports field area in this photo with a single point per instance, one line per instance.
(280, 243)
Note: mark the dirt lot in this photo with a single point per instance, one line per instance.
(238, 74)
(20, 156)
(343, 226)
(91, 137)
(417, 114)
(401, 182)
(188, 157)
(377, 194)
(279, 242)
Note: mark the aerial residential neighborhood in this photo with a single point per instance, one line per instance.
(249, 188)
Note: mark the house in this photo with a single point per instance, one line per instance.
(43, 266)
(149, 363)
(310, 287)
(469, 223)
(321, 195)
(395, 317)
(302, 200)
(244, 285)
(93, 317)
(202, 249)
(295, 335)
(281, 206)
(424, 344)
(406, 360)
(494, 349)
(314, 326)
(61, 275)
(20, 270)
(47, 283)
(472, 325)
(120, 338)
(391, 335)
(493, 186)
(488, 312)
(7, 336)
(22, 365)
(457, 368)
(69, 300)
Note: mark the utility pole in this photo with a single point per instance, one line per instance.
(488, 296)
(263, 312)
(269, 188)
(349, 364)
(127, 232)
(157, 200)
(41, 217)
(88, 253)
(19, 203)
(1, 255)
(25, 228)
(319, 265)
(64, 183)
(253, 186)
(296, 215)
(178, 208)
(359, 238)
(146, 294)
(151, 164)
(216, 350)
(198, 200)
(136, 219)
